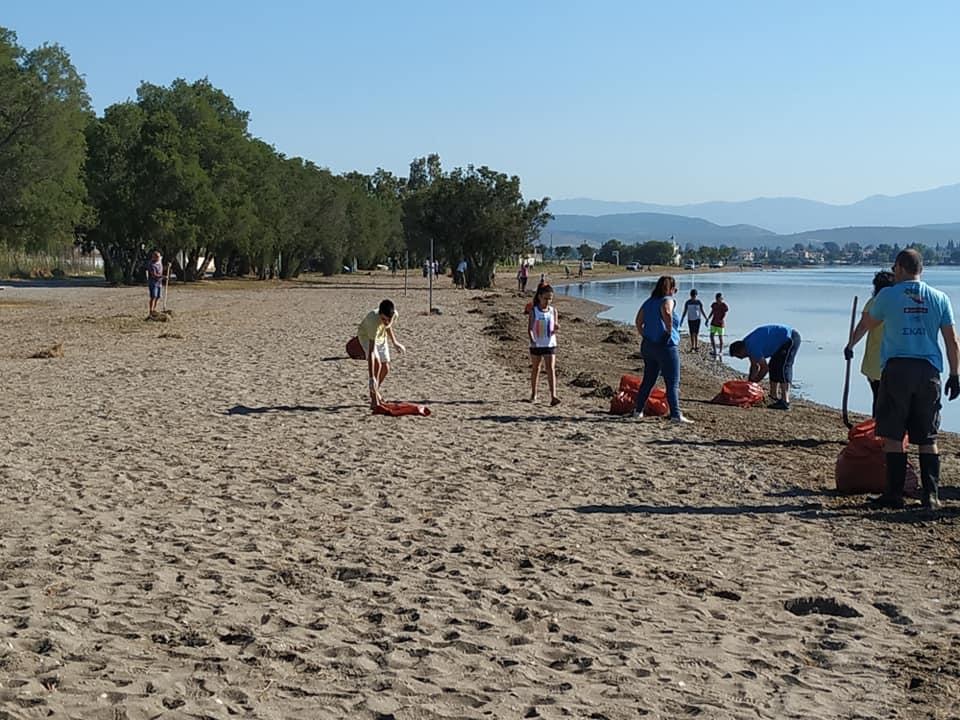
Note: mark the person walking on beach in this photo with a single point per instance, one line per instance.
(155, 281)
(780, 343)
(658, 324)
(717, 321)
(580, 270)
(374, 332)
(693, 312)
(542, 328)
(913, 314)
(460, 276)
(522, 274)
(870, 366)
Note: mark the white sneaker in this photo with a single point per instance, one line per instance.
(683, 419)
(637, 415)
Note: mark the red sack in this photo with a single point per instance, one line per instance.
(741, 393)
(625, 401)
(355, 349)
(862, 464)
(396, 409)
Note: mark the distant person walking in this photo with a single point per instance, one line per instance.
(522, 275)
(580, 270)
(658, 324)
(717, 320)
(542, 328)
(693, 312)
(913, 314)
(871, 365)
(780, 343)
(155, 281)
(460, 277)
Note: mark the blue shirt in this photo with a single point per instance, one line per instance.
(766, 340)
(654, 328)
(912, 313)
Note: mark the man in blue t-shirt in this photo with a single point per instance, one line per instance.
(914, 315)
(780, 343)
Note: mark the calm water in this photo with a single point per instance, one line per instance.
(817, 302)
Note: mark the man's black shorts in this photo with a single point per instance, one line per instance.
(908, 401)
(781, 362)
(694, 326)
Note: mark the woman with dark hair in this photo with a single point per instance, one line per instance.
(870, 365)
(659, 327)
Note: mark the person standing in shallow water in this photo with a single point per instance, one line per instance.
(658, 324)
(913, 314)
(693, 312)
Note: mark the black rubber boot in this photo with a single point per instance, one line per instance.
(896, 477)
(930, 478)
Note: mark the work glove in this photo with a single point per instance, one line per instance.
(952, 388)
(848, 353)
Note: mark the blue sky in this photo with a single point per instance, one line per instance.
(832, 101)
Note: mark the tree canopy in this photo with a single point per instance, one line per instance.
(178, 170)
(43, 110)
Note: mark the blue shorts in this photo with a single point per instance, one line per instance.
(156, 290)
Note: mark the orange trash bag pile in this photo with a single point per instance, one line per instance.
(741, 393)
(625, 401)
(862, 465)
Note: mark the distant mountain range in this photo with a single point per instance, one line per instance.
(630, 228)
(939, 206)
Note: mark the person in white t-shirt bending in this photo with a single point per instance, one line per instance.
(693, 312)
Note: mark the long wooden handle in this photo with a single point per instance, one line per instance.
(846, 378)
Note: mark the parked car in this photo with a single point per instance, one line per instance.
(690, 265)
(633, 267)
(588, 264)
(717, 264)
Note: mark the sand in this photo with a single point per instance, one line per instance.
(202, 519)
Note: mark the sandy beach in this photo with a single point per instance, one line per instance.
(202, 519)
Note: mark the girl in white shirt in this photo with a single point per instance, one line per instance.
(542, 328)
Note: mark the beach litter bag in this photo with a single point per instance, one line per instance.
(396, 409)
(625, 400)
(862, 464)
(741, 393)
(355, 349)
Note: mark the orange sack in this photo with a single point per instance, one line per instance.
(862, 464)
(625, 400)
(741, 393)
(396, 409)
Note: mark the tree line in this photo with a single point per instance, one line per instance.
(177, 170)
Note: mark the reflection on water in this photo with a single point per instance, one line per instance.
(817, 302)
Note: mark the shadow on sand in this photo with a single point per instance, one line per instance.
(759, 442)
(246, 410)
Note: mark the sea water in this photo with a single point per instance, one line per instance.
(817, 302)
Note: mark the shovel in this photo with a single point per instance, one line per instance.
(846, 377)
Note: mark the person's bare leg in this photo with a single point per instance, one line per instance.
(785, 392)
(375, 398)
(551, 368)
(534, 376)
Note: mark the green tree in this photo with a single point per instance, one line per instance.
(44, 109)
(586, 251)
(475, 213)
